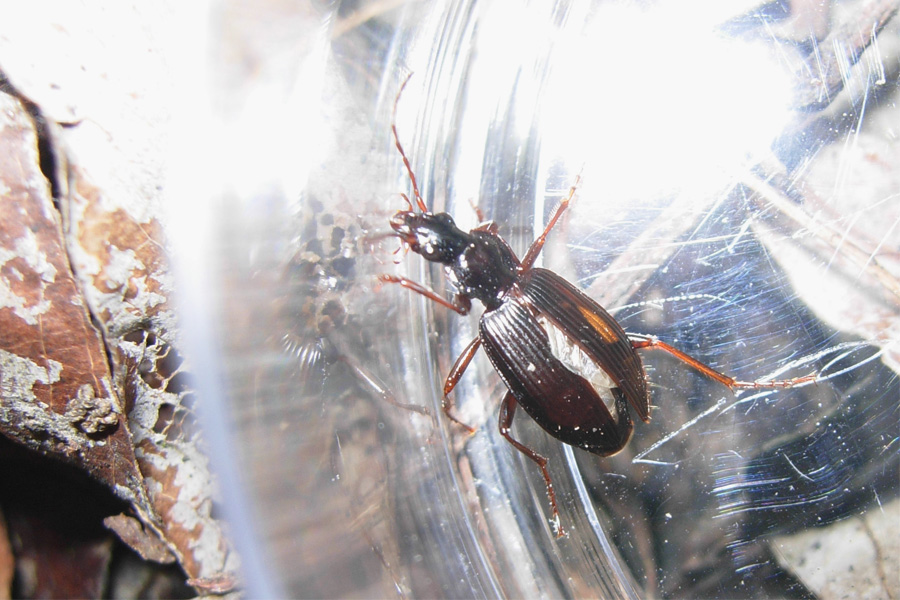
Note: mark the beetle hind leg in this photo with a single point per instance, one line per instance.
(642, 342)
(507, 412)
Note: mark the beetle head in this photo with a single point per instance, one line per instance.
(434, 236)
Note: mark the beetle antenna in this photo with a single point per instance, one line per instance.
(412, 176)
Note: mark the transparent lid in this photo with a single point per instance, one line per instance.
(740, 200)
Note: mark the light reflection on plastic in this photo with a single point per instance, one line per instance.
(278, 138)
(656, 102)
(515, 38)
(271, 144)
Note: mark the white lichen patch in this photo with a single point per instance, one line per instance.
(25, 248)
(181, 473)
(48, 430)
(84, 264)
(176, 471)
(18, 376)
(131, 296)
(853, 558)
(125, 267)
(121, 266)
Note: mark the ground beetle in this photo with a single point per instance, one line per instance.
(562, 356)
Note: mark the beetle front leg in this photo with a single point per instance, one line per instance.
(507, 412)
(461, 304)
(538, 244)
(642, 342)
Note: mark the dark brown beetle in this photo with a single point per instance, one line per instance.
(562, 356)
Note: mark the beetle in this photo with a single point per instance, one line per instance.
(564, 359)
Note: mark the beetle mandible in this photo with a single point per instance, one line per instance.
(562, 356)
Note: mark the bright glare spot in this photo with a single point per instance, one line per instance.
(654, 102)
(277, 138)
(517, 41)
(267, 142)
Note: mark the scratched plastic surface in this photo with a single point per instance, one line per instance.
(736, 202)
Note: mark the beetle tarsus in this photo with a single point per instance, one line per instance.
(447, 406)
(775, 383)
(558, 528)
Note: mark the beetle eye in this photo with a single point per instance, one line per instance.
(445, 219)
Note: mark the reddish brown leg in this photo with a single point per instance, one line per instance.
(478, 213)
(461, 364)
(488, 227)
(715, 375)
(459, 306)
(538, 244)
(375, 386)
(459, 367)
(507, 412)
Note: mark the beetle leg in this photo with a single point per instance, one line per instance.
(479, 214)
(730, 382)
(459, 367)
(461, 364)
(377, 387)
(459, 305)
(488, 227)
(507, 412)
(538, 244)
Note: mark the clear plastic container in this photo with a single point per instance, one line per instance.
(714, 213)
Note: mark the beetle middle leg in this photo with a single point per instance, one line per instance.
(459, 367)
(641, 342)
(461, 305)
(507, 412)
